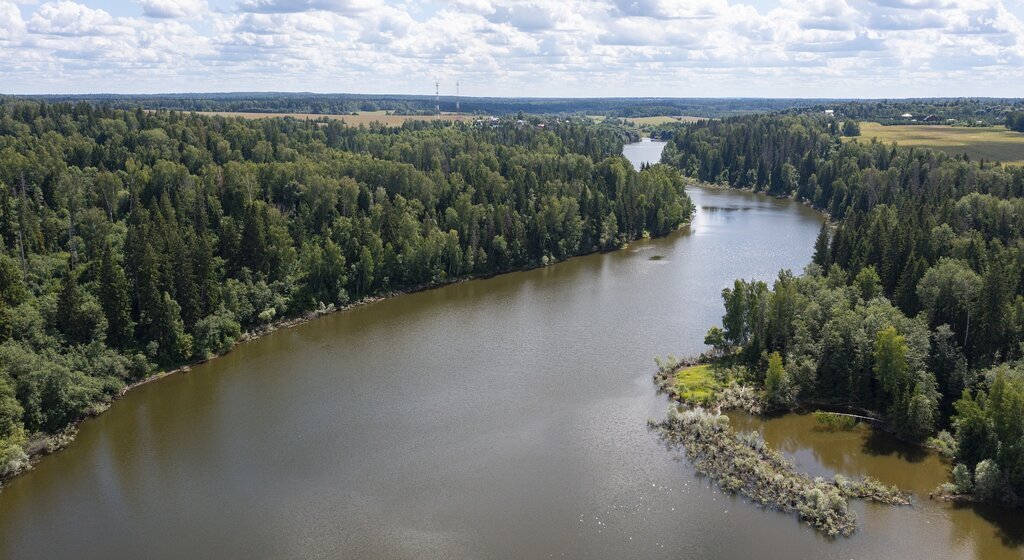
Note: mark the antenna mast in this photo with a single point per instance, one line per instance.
(457, 111)
(437, 98)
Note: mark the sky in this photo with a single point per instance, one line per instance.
(537, 48)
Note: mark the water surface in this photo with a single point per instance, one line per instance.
(502, 418)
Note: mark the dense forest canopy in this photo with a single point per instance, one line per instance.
(914, 305)
(135, 240)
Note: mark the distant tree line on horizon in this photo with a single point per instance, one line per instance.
(961, 110)
(327, 104)
(137, 240)
(914, 305)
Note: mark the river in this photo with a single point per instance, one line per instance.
(500, 418)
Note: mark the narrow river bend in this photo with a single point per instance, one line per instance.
(502, 418)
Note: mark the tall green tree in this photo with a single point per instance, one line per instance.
(115, 299)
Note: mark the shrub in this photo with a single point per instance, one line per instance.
(962, 482)
(944, 443)
(834, 422)
(988, 481)
(216, 333)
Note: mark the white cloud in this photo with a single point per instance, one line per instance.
(173, 8)
(519, 47)
(72, 19)
(11, 24)
(295, 6)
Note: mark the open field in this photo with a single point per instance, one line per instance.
(991, 143)
(352, 120)
(654, 121)
(640, 121)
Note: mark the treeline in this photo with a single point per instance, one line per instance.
(962, 110)
(426, 104)
(133, 240)
(914, 305)
(1015, 121)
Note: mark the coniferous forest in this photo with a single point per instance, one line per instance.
(134, 241)
(913, 307)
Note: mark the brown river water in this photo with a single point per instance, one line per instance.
(500, 418)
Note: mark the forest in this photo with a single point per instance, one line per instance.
(338, 103)
(135, 241)
(1015, 121)
(964, 111)
(913, 307)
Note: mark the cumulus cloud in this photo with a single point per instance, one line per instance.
(73, 20)
(11, 24)
(518, 47)
(907, 20)
(294, 6)
(173, 8)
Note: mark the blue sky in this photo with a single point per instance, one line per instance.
(684, 48)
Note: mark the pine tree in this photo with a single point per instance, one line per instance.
(69, 303)
(115, 299)
(253, 243)
(174, 344)
(186, 292)
(148, 293)
(822, 256)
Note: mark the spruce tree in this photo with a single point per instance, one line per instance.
(69, 302)
(115, 299)
(174, 344)
(822, 257)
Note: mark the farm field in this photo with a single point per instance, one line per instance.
(640, 121)
(351, 120)
(992, 143)
(653, 121)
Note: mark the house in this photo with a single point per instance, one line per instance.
(829, 112)
(906, 116)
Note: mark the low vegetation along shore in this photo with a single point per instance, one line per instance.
(742, 462)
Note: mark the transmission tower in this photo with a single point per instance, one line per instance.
(457, 111)
(437, 98)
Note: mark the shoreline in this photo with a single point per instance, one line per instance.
(40, 447)
(743, 463)
(806, 203)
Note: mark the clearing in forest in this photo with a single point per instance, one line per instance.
(994, 143)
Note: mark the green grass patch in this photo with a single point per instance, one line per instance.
(698, 384)
(992, 143)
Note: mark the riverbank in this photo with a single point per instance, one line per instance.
(42, 445)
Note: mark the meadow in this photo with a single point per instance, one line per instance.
(994, 143)
(659, 120)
